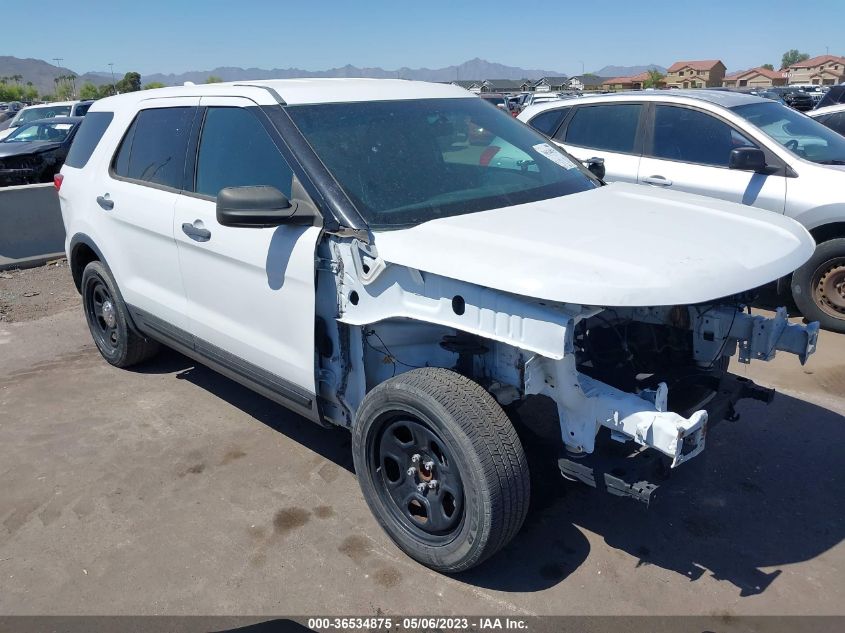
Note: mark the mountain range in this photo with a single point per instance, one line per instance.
(42, 73)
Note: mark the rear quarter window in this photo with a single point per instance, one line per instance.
(90, 132)
(548, 122)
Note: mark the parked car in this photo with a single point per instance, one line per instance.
(835, 95)
(46, 111)
(36, 151)
(831, 116)
(328, 244)
(794, 97)
(726, 145)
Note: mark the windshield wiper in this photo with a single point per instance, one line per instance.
(832, 161)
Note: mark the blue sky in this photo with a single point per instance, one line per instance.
(180, 35)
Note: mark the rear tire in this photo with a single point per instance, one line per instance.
(818, 287)
(108, 320)
(464, 442)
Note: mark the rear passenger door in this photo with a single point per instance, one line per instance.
(136, 203)
(689, 150)
(610, 131)
(250, 291)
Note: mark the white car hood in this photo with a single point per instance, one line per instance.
(619, 245)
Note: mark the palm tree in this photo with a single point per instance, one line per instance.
(655, 78)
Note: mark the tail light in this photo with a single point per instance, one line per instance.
(57, 181)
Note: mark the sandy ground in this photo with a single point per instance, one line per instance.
(169, 489)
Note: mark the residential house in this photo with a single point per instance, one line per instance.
(824, 70)
(634, 82)
(551, 84)
(755, 78)
(708, 73)
(501, 85)
(473, 85)
(586, 82)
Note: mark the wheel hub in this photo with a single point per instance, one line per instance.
(418, 479)
(109, 314)
(829, 289)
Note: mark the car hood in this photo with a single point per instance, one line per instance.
(30, 147)
(619, 245)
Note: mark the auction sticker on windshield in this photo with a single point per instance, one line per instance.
(553, 155)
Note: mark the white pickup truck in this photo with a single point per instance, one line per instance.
(361, 252)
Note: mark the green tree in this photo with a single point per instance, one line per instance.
(89, 91)
(131, 82)
(768, 66)
(792, 56)
(153, 85)
(654, 79)
(213, 79)
(106, 90)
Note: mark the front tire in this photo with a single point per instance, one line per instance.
(441, 467)
(818, 287)
(108, 321)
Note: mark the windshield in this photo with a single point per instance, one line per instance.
(797, 132)
(47, 112)
(406, 162)
(45, 131)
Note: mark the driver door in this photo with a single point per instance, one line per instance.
(250, 291)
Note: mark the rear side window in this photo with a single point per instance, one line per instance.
(90, 132)
(153, 149)
(236, 151)
(609, 127)
(693, 136)
(82, 109)
(547, 122)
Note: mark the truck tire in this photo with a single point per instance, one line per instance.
(107, 319)
(818, 287)
(441, 467)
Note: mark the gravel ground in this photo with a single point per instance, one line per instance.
(33, 293)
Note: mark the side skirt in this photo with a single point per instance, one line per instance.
(259, 380)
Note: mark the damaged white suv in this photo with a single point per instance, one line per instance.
(405, 260)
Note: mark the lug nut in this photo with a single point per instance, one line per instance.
(429, 466)
(433, 484)
(416, 458)
(412, 471)
(421, 487)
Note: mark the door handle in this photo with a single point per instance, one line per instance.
(660, 181)
(105, 202)
(195, 233)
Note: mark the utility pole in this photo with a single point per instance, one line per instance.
(582, 68)
(111, 68)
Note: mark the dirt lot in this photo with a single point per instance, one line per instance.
(170, 489)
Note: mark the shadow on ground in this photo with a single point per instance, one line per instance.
(768, 491)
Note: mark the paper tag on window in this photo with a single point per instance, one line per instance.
(553, 155)
(62, 126)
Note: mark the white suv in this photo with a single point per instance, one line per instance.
(352, 250)
(727, 145)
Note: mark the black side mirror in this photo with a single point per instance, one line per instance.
(595, 165)
(260, 207)
(748, 159)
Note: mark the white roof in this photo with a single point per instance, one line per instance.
(301, 91)
(50, 105)
(839, 107)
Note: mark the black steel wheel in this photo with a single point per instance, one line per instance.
(417, 478)
(108, 322)
(441, 467)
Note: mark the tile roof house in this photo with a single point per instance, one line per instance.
(634, 82)
(824, 70)
(705, 73)
(755, 78)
